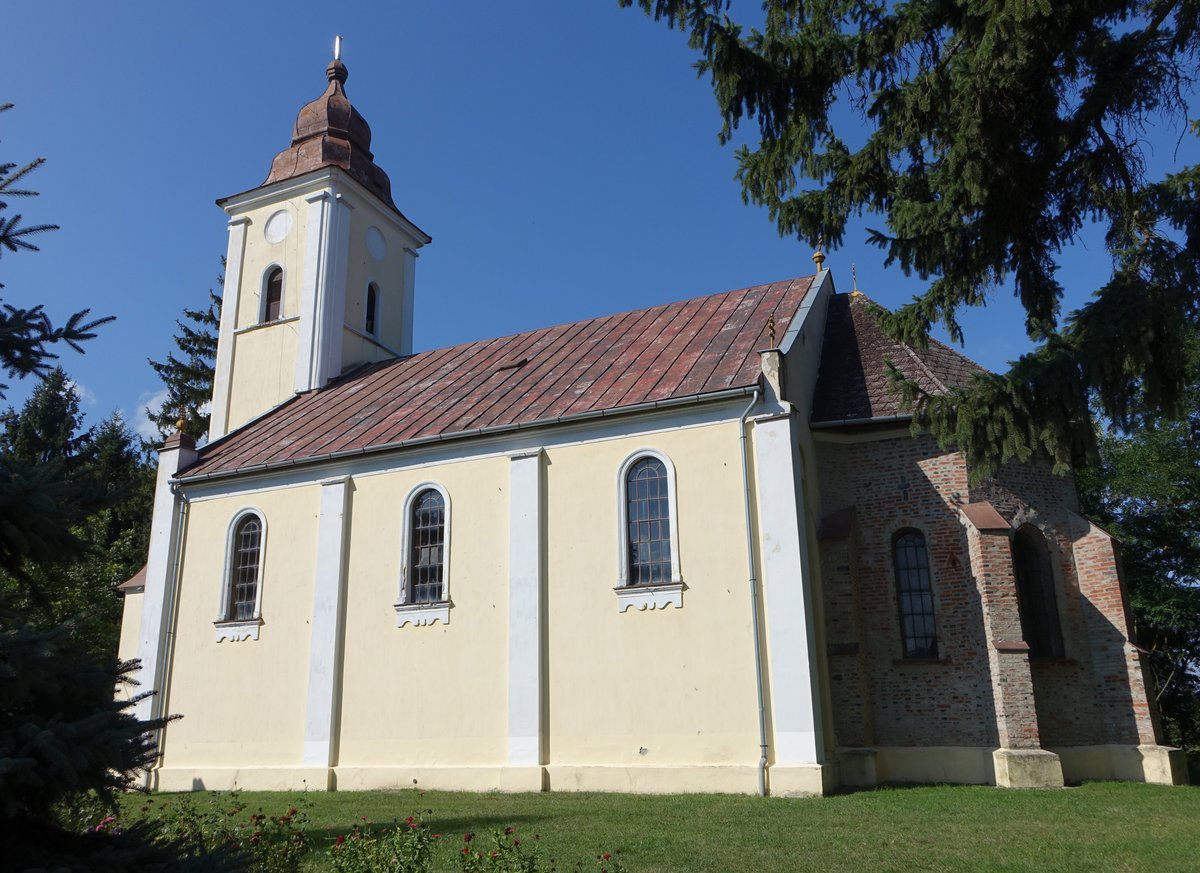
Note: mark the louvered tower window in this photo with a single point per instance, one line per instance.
(273, 293)
(371, 308)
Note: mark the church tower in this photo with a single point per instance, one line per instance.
(320, 268)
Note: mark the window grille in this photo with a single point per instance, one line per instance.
(1035, 594)
(427, 528)
(648, 518)
(915, 594)
(273, 309)
(243, 590)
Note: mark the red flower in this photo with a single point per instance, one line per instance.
(508, 830)
(467, 837)
(437, 836)
(606, 857)
(340, 839)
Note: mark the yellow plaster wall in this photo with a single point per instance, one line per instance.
(243, 703)
(127, 644)
(654, 687)
(261, 255)
(264, 371)
(357, 349)
(431, 695)
(388, 273)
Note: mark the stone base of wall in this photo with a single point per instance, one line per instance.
(969, 765)
(247, 779)
(1027, 768)
(1159, 764)
(783, 780)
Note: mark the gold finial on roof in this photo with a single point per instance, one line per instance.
(181, 422)
(819, 256)
(771, 328)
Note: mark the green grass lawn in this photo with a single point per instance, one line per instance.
(1099, 826)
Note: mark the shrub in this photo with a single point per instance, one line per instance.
(406, 847)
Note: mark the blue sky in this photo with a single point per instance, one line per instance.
(562, 154)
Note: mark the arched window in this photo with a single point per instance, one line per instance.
(914, 593)
(1035, 594)
(648, 523)
(273, 295)
(243, 587)
(372, 308)
(426, 552)
(241, 592)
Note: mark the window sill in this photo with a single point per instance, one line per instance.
(644, 597)
(261, 324)
(421, 614)
(235, 631)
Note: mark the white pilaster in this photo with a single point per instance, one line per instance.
(324, 664)
(158, 599)
(408, 296)
(791, 639)
(323, 290)
(235, 256)
(525, 605)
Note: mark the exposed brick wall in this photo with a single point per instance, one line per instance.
(894, 484)
(1097, 695)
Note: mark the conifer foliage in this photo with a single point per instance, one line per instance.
(62, 733)
(188, 375)
(987, 136)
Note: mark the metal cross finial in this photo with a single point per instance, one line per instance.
(771, 328)
(819, 256)
(337, 48)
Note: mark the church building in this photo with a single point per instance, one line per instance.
(689, 548)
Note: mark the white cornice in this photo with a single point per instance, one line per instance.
(314, 182)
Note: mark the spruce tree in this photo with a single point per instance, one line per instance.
(188, 376)
(987, 136)
(62, 733)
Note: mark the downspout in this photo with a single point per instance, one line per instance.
(169, 643)
(753, 579)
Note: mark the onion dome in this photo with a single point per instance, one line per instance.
(330, 132)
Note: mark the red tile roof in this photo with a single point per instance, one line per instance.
(852, 384)
(664, 353)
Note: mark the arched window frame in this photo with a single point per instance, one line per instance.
(1044, 612)
(262, 296)
(371, 324)
(900, 610)
(647, 596)
(419, 614)
(228, 627)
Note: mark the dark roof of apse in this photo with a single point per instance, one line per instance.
(852, 384)
(670, 352)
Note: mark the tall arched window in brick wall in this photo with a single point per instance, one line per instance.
(914, 594)
(1036, 595)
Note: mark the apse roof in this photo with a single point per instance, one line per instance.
(618, 363)
(852, 384)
